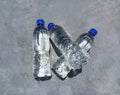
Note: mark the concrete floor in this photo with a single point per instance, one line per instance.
(17, 21)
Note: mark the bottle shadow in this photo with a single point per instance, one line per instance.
(43, 78)
(57, 51)
(73, 73)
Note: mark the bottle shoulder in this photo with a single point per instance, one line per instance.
(39, 30)
(56, 28)
(85, 36)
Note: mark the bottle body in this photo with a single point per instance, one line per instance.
(71, 52)
(41, 53)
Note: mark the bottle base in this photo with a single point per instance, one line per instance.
(59, 75)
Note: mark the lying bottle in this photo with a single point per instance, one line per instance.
(85, 42)
(41, 43)
(71, 52)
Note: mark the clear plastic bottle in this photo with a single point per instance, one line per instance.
(42, 70)
(71, 52)
(85, 42)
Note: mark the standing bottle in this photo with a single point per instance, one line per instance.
(71, 52)
(42, 69)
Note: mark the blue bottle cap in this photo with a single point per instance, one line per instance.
(93, 31)
(40, 22)
(50, 25)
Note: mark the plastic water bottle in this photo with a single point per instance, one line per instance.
(42, 69)
(71, 52)
(86, 42)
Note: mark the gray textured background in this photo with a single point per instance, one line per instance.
(17, 21)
